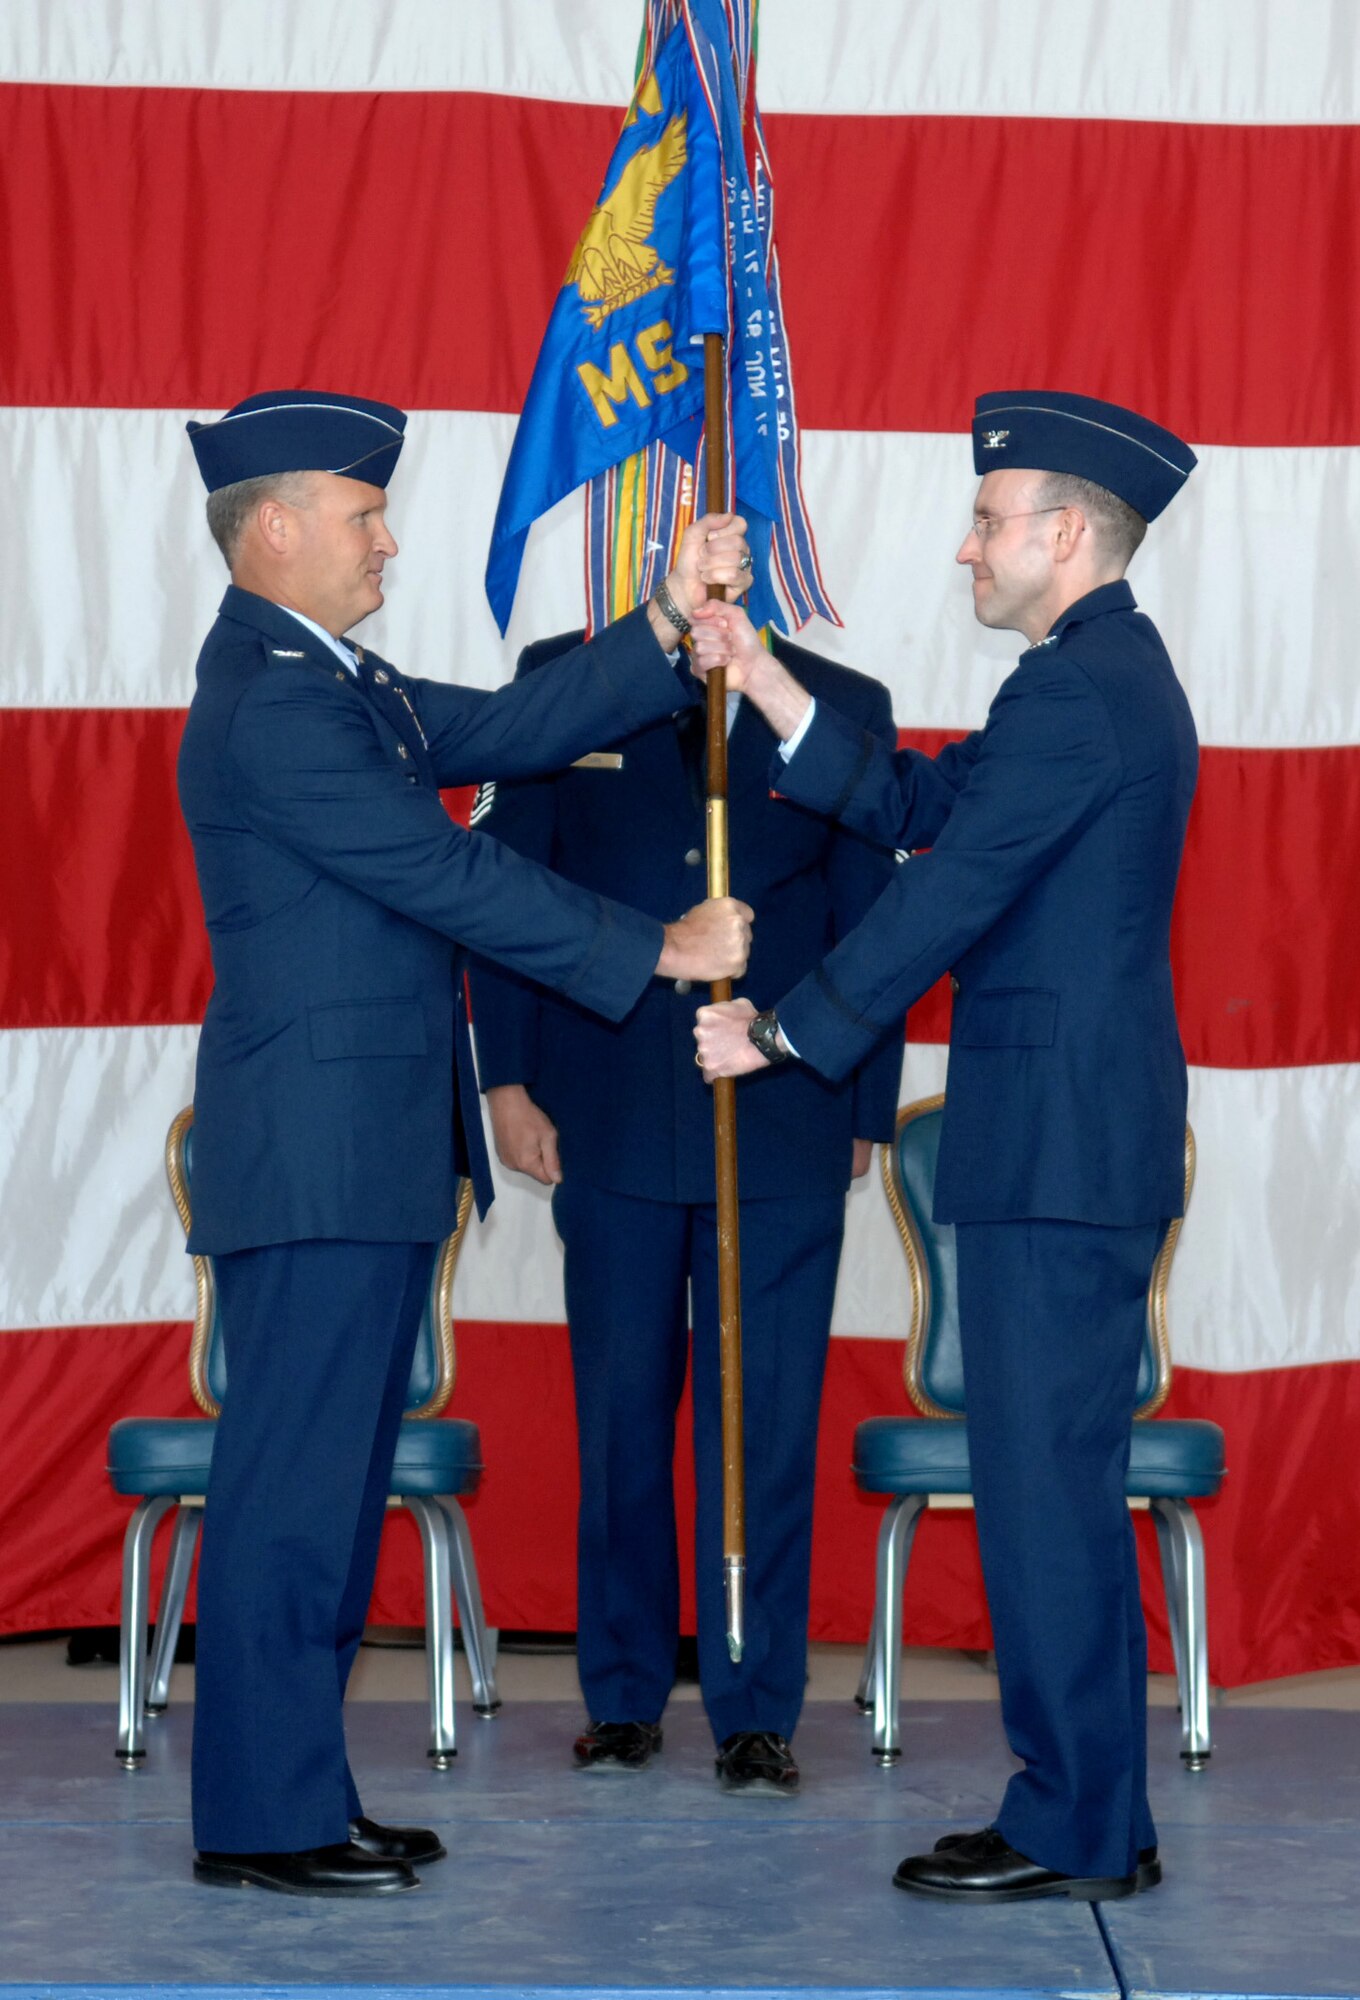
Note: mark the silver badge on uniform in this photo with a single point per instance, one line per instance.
(994, 440)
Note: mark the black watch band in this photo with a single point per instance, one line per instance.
(763, 1032)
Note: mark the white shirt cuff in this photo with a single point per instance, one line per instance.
(787, 749)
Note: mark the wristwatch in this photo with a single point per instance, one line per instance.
(763, 1031)
(671, 611)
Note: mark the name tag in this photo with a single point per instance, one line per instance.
(599, 760)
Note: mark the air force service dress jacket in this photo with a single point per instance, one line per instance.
(1054, 837)
(632, 1110)
(335, 1093)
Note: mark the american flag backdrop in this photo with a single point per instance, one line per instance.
(1146, 200)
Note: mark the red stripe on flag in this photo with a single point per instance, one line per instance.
(105, 924)
(1189, 270)
(97, 875)
(1266, 958)
(1279, 1540)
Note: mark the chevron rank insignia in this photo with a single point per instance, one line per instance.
(482, 804)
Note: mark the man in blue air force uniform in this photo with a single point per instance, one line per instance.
(335, 1100)
(1054, 839)
(615, 1117)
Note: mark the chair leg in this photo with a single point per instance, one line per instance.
(433, 1524)
(1174, 1588)
(170, 1616)
(141, 1531)
(864, 1693)
(1196, 1741)
(894, 1550)
(477, 1643)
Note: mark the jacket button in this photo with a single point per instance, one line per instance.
(401, 750)
(953, 983)
(693, 858)
(684, 985)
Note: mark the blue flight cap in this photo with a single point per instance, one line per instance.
(1046, 431)
(299, 430)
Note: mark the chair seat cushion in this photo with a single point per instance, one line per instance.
(437, 1455)
(155, 1455)
(1172, 1458)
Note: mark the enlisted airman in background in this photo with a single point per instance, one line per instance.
(614, 1116)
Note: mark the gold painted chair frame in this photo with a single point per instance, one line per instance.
(1180, 1541)
(450, 1568)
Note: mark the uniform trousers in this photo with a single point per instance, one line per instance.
(319, 1339)
(632, 1269)
(1051, 1318)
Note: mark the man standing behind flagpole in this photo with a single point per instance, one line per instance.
(616, 1119)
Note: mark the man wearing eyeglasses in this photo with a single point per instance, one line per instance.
(1054, 838)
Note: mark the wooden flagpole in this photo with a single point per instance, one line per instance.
(724, 1089)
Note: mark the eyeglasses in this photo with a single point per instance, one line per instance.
(985, 525)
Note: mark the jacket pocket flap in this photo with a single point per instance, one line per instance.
(367, 1028)
(1008, 1017)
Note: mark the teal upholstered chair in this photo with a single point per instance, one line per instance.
(163, 1462)
(919, 1458)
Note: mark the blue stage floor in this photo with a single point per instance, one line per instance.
(560, 1883)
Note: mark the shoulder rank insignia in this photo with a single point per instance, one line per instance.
(482, 804)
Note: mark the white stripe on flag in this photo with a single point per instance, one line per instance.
(1266, 1275)
(92, 1236)
(1240, 574)
(1254, 62)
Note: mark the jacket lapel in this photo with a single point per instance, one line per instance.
(383, 686)
(376, 681)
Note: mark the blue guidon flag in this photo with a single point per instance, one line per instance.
(679, 244)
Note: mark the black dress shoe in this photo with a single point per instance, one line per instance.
(342, 1870)
(617, 1746)
(1147, 1875)
(396, 1843)
(757, 1761)
(984, 1868)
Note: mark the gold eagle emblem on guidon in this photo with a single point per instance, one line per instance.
(613, 263)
